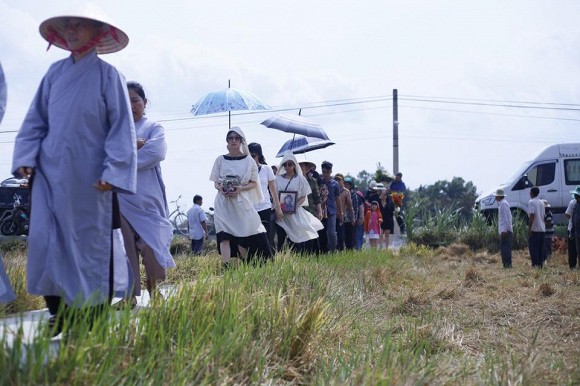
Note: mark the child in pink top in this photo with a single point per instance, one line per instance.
(373, 220)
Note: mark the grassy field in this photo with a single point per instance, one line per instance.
(418, 316)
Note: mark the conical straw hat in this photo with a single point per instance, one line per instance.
(53, 29)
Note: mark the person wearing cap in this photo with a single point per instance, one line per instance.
(237, 223)
(536, 228)
(334, 209)
(573, 258)
(549, 235)
(344, 230)
(505, 228)
(267, 213)
(308, 169)
(575, 231)
(78, 144)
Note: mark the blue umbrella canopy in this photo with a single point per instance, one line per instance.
(296, 124)
(301, 145)
(229, 99)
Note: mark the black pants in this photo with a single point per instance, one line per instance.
(257, 245)
(267, 217)
(323, 238)
(349, 230)
(307, 247)
(339, 236)
(573, 249)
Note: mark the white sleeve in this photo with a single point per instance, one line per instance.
(570, 208)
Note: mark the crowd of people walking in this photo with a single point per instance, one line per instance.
(261, 209)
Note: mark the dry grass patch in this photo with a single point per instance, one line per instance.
(413, 305)
(546, 289)
(473, 278)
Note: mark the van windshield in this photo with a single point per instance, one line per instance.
(516, 176)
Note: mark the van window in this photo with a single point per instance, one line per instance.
(541, 175)
(572, 170)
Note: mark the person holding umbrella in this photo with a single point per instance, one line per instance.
(235, 176)
(80, 112)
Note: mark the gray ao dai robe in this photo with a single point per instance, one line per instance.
(6, 292)
(3, 94)
(146, 210)
(79, 130)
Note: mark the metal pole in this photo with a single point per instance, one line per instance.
(395, 132)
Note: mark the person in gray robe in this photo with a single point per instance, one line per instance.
(6, 291)
(3, 94)
(77, 143)
(146, 229)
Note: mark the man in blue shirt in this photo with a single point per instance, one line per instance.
(334, 210)
(398, 185)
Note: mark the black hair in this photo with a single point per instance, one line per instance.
(535, 191)
(136, 86)
(197, 198)
(326, 165)
(256, 148)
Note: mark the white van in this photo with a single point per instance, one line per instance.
(556, 171)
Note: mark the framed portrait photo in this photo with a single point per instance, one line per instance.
(288, 201)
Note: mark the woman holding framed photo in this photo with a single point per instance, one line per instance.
(298, 225)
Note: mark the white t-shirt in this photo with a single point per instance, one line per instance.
(570, 211)
(536, 207)
(266, 174)
(195, 216)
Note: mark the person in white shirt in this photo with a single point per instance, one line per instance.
(536, 228)
(196, 223)
(268, 214)
(572, 253)
(505, 228)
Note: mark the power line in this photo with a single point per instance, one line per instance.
(488, 113)
(493, 100)
(492, 104)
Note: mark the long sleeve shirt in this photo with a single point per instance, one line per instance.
(504, 217)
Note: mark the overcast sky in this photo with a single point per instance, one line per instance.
(482, 56)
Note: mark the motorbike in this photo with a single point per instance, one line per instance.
(15, 221)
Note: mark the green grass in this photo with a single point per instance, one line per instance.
(450, 316)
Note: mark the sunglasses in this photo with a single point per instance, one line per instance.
(288, 164)
(232, 138)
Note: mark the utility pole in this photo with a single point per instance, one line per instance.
(395, 132)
